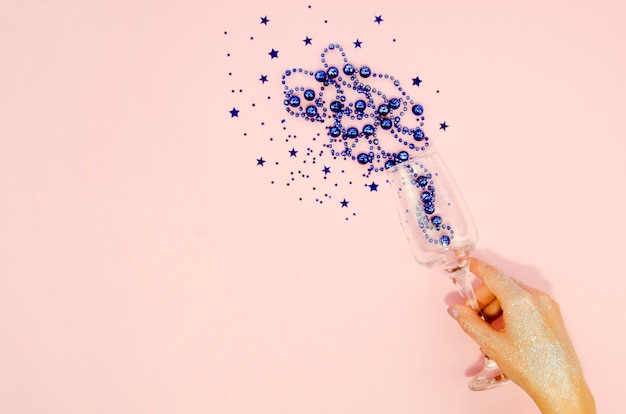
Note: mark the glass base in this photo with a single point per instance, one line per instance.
(490, 377)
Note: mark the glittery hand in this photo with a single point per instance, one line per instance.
(534, 349)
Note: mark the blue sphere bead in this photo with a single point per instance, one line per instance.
(368, 130)
(311, 110)
(334, 131)
(360, 105)
(365, 72)
(320, 76)
(309, 94)
(444, 240)
(383, 110)
(403, 156)
(394, 103)
(389, 164)
(426, 197)
(418, 135)
(352, 132)
(386, 123)
(332, 72)
(294, 101)
(422, 181)
(436, 220)
(417, 110)
(429, 208)
(348, 69)
(336, 106)
(362, 158)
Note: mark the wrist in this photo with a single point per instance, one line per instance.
(578, 400)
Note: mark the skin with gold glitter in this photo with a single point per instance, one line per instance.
(533, 347)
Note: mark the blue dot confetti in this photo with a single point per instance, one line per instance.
(347, 121)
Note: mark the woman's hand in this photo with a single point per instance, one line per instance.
(533, 348)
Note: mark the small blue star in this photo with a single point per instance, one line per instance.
(263, 78)
(344, 203)
(373, 186)
(264, 20)
(417, 81)
(260, 161)
(378, 19)
(234, 112)
(273, 53)
(357, 43)
(443, 125)
(307, 41)
(293, 152)
(326, 170)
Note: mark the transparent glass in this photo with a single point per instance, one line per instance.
(441, 232)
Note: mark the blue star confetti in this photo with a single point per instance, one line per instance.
(346, 123)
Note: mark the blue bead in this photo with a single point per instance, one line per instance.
(294, 101)
(444, 240)
(426, 197)
(418, 135)
(333, 72)
(403, 156)
(320, 76)
(383, 110)
(360, 105)
(336, 106)
(311, 110)
(436, 220)
(348, 69)
(417, 110)
(390, 164)
(352, 132)
(422, 181)
(309, 94)
(334, 131)
(394, 103)
(429, 208)
(362, 158)
(386, 123)
(365, 71)
(368, 130)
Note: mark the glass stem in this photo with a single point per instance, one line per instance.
(462, 278)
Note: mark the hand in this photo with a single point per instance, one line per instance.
(533, 349)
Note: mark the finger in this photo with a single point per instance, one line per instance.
(502, 286)
(492, 310)
(483, 295)
(479, 330)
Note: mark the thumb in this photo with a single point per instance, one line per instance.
(473, 325)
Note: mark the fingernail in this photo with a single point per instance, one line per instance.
(454, 312)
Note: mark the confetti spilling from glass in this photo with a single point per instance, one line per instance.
(364, 121)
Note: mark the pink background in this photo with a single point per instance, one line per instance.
(147, 265)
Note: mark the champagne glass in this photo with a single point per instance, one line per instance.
(441, 232)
